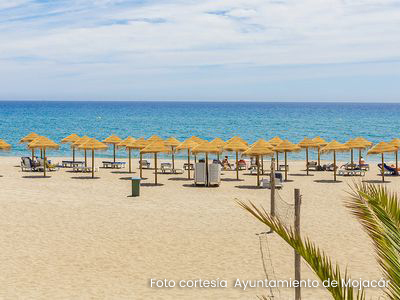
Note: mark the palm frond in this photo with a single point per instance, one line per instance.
(318, 261)
(378, 211)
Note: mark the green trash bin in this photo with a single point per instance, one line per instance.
(135, 186)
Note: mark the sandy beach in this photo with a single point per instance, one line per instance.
(68, 236)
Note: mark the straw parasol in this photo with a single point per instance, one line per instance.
(172, 143)
(154, 138)
(236, 146)
(356, 144)
(237, 139)
(196, 139)
(265, 144)
(29, 138)
(155, 147)
(259, 149)
(93, 144)
(275, 141)
(206, 148)
(396, 143)
(220, 143)
(79, 142)
(187, 145)
(125, 143)
(321, 143)
(71, 139)
(286, 146)
(4, 145)
(307, 143)
(139, 144)
(366, 142)
(112, 140)
(43, 143)
(334, 146)
(382, 148)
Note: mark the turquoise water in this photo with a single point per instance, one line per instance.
(208, 120)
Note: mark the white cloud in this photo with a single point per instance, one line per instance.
(123, 38)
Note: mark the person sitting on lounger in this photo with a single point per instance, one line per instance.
(362, 161)
(226, 163)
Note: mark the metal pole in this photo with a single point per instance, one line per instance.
(297, 265)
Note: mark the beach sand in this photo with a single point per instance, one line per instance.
(69, 237)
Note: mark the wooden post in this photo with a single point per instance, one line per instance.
(207, 184)
(286, 166)
(188, 163)
(44, 160)
(359, 157)
(85, 159)
(155, 166)
(258, 170)
(41, 153)
(237, 165)
(352, 157)
(272, 180)
(33, 153)
(307, 159)
(297, 265)
(319, 157)
(140, 164)
(262, 164)
(114, 152)
(334, 165)
(73, 154)
(173, 158)
(130, 162)
(277, 160)
(383, 168)
(397, 161)
(92, 162)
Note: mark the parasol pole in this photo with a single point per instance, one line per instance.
(286, 166)
(188, 163)
(130, 161)
(33, 153)
(352, 159)
(359, 158)
(140, 164)
(258, 170)
(383, 168)
(173, 158)
(397, 162)
(73, 154)
(319, 157)
(237, 165)
(93, 162)
(44, 167)
(307, 159)
(277, 160)
(155, 166)
(114, 152)
(334, 165)
(85, 159)
(208, 182)
(262, 164)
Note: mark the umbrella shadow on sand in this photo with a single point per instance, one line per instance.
(130, 178)
(327, 181)
(248, 187)
(301, 175)
(199, 186)
(36, 177)
(122, 172)
(180, 179)
(375, 181)
(84, 177)
(151, 184)
(231, 179)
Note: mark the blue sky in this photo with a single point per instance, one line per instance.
(258, 50)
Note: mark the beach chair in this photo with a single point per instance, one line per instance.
(186, 166)
(177, 171)
(144, 163)
(283, 167)
(26, 164)
(312, 165)
(388, 170)
(364, 167)
(214, 174)
(200, 174)
(166, 168)
(266, 182)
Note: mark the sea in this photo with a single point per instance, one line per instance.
(207, 120)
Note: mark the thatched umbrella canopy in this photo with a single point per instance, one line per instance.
(356, 144)
(382, 148)
(93, 144)
(155, 147)
(196, 139)
(275, 141)
(220, 143)
(187, 145)
(334, 146)
(321, 143)
(154, 138)
(364, 141)
(78, 142)
(265, 144)
(139, 144)
(125, 143)
(206, 148)
(29, 138)
(113, 140)
(259, 150)
(286, 146)
(396, 143)
(236, 146)
(43, 143)
(71, 139)
(4, 145)
(172, 143)
(307, 143)
(237, 139)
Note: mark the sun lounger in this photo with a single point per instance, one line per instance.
(313, 165)
(345, 172)
(214, 174)
(49, 165)
(166, 168)
(283, 167)
(70, 163)
(114, 164)
(364, 167)
(144, 163)
(26, 164)
(186, 166)
(388, 170)
(177, 171)
(83, 169)
(266, 182)
(200, 174)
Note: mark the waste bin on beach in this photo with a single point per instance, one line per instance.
(135, 186)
